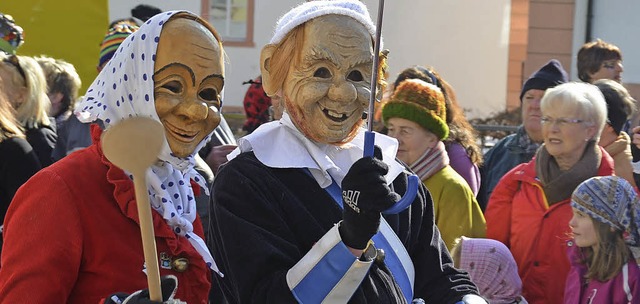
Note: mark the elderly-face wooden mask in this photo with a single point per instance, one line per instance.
(188, 79)
(327, 92)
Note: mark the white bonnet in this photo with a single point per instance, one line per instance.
(313, 9)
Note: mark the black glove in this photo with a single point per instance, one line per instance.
(365, 194)
(168, 284)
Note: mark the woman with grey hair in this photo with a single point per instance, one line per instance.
(529, 208)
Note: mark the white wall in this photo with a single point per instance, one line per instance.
(617, 22)
(465, 40)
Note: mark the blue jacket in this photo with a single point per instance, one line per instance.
(504, 156)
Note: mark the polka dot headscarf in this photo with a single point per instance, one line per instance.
(123, 89)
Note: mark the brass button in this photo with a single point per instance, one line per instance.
(180, 264)
(380, 256)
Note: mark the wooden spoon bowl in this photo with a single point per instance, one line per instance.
(133, 145)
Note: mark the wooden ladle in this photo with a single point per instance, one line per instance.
(133, 145)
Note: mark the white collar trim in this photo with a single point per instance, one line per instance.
(280, 144)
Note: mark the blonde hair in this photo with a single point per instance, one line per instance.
(610, 255)
(9, 126)
(32, 112)
(584, 99)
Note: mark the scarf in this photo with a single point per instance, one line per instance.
(525, 143)
(432, 160)
(492, 268)
(557, 184)
(124, 88)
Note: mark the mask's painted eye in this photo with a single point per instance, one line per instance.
(355, 76)
(322, 73)
(208, 95)
(173, 86)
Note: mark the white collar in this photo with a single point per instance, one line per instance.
(279, 144)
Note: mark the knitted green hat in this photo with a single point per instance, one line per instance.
(420, 102)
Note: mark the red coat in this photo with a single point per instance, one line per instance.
(71, 235)
(518, 216)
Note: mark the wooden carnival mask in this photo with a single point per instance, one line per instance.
(188, 79)
(328, 90)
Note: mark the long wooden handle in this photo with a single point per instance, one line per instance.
(148, 238)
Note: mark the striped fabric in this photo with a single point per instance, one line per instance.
(328, 273)
(110, 45)
(432, 161)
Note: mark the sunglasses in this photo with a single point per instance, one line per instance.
(13, 60)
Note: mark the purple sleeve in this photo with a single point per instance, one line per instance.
(461, 163)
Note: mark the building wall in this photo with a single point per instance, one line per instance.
(518, 42)
(469, 49)
(540, 30)
(550, 33)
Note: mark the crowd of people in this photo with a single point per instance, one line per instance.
(296, 210)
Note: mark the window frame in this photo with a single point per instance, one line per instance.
(248, 40)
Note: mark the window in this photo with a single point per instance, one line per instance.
(233, 19)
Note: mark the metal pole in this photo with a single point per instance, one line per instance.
(376, 66)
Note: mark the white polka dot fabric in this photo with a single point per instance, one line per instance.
(123, 89)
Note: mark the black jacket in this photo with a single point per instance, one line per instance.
(265, 220)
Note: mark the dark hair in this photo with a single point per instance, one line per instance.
(620, 104)
(128, 21)
(460, 130)
(592, 54)
(62, 78)
(144, 12)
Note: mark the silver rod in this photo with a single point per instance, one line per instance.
(376, 66)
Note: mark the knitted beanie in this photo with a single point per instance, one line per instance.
(420, 102)
(114, 37)
(613, 201)
(11, 35)
(313, 9)
(549, 76)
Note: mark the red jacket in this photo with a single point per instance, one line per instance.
(71, 235)
(518, 216)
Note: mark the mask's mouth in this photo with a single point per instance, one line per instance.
(181, 135)
(335, 116)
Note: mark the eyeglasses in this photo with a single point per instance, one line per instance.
(13, 60)
(561, 122)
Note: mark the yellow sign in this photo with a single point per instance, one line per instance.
(71, 30)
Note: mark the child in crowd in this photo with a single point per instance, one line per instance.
(491, 267)
(606, 243)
